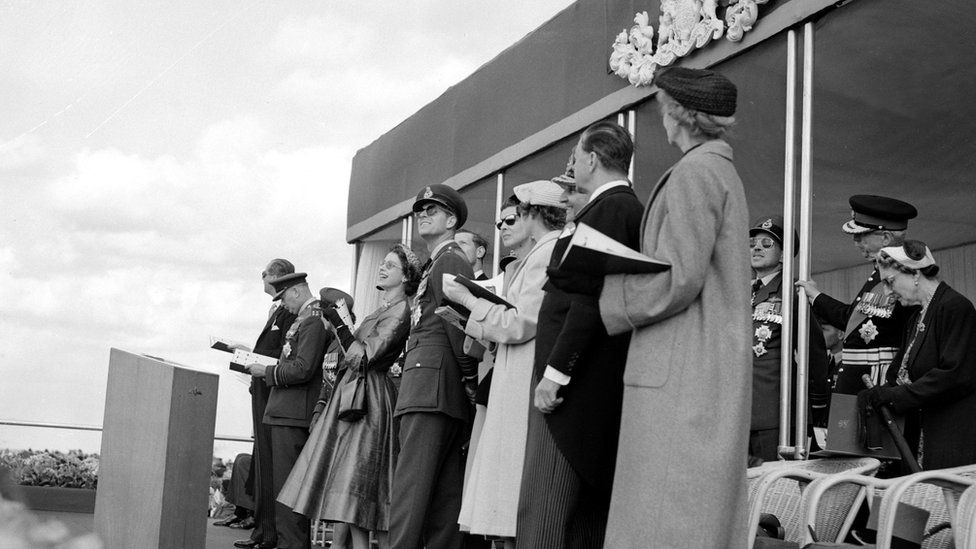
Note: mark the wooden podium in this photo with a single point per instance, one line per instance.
(157, 447)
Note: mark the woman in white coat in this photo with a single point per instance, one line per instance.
(530, 223)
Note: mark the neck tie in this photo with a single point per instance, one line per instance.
(274, 307)
(757, 285)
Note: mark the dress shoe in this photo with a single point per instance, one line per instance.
(251, 544)
(233, 519)
(245, 524)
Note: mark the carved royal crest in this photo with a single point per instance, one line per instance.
(686, 25)
(683, 26)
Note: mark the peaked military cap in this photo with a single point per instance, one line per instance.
(446, 197)
(773, 226)
(282, 283)
(878, 213)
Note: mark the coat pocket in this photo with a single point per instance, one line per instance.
(420, 382)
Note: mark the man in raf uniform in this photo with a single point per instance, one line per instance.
(295, 383)
(874, 323)
(766, 256)
(269, 343)
(437, 390)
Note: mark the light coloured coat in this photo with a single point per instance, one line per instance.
(681, 465)
(491, 493)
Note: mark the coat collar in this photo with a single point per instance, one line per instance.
(917, 344)
(714, 146)
(548, 237)
(769, 289)
(602, 196)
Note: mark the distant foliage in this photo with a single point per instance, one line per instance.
(72, 469)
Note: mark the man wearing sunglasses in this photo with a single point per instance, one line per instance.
(873, 324)
(766, 256)
(437, 390)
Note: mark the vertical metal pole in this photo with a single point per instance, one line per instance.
(632, 128)
(408, 238)
(497, 248)
(789, 182)
(806, 198)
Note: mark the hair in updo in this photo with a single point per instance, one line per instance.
(411, 268)
(914, 249)
(552, 217)
(711, 126)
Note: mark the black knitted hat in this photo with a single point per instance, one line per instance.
(699, 89)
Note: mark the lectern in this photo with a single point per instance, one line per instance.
(157, 446)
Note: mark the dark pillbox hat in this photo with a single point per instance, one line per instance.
(445, 196)
(698, 89)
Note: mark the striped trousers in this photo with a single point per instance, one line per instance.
(557, 509)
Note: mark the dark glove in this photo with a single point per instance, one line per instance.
(345, 335)
(884, 395)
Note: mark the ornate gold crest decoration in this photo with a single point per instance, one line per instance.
(683, 26)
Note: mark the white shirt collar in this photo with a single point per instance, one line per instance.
(768, 278)
(606, 187)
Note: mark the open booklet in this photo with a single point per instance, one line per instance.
(593, 252)
(225, 345)
(242, 358)
(456, 313)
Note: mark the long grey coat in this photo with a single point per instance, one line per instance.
(681, 465)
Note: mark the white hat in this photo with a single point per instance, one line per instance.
(540, 193)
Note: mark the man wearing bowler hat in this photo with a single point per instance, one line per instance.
(766, 256)
(873, 324)
(295, 382)
(437, 390)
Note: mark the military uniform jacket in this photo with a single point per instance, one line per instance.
(571, 338)
(873, 334)
(297, 378)
(435, 361)
(767, 327)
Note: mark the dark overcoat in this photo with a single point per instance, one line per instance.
(942, 369)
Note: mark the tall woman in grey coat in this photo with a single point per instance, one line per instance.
(681, 476)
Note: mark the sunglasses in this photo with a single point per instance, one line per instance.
(430, 210)
(763, 241)
(509, 220)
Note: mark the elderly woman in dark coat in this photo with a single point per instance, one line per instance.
(933, 378)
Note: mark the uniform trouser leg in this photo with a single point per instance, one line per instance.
(426, 498)
(287, 444)
(556, 508)
(261, 460)
(763, 443)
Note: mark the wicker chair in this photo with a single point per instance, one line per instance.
(935, 491)
(965, 528)
(778, 488)
(929, 490)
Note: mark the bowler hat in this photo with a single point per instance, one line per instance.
(878, 213)
(445, 196)
(282, 283)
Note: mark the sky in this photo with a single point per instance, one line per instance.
(155, 155)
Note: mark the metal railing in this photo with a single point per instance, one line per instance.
(73, 427)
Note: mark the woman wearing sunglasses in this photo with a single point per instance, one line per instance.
(530, 224)
(932, 379)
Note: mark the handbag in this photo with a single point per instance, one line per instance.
(352, 396)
